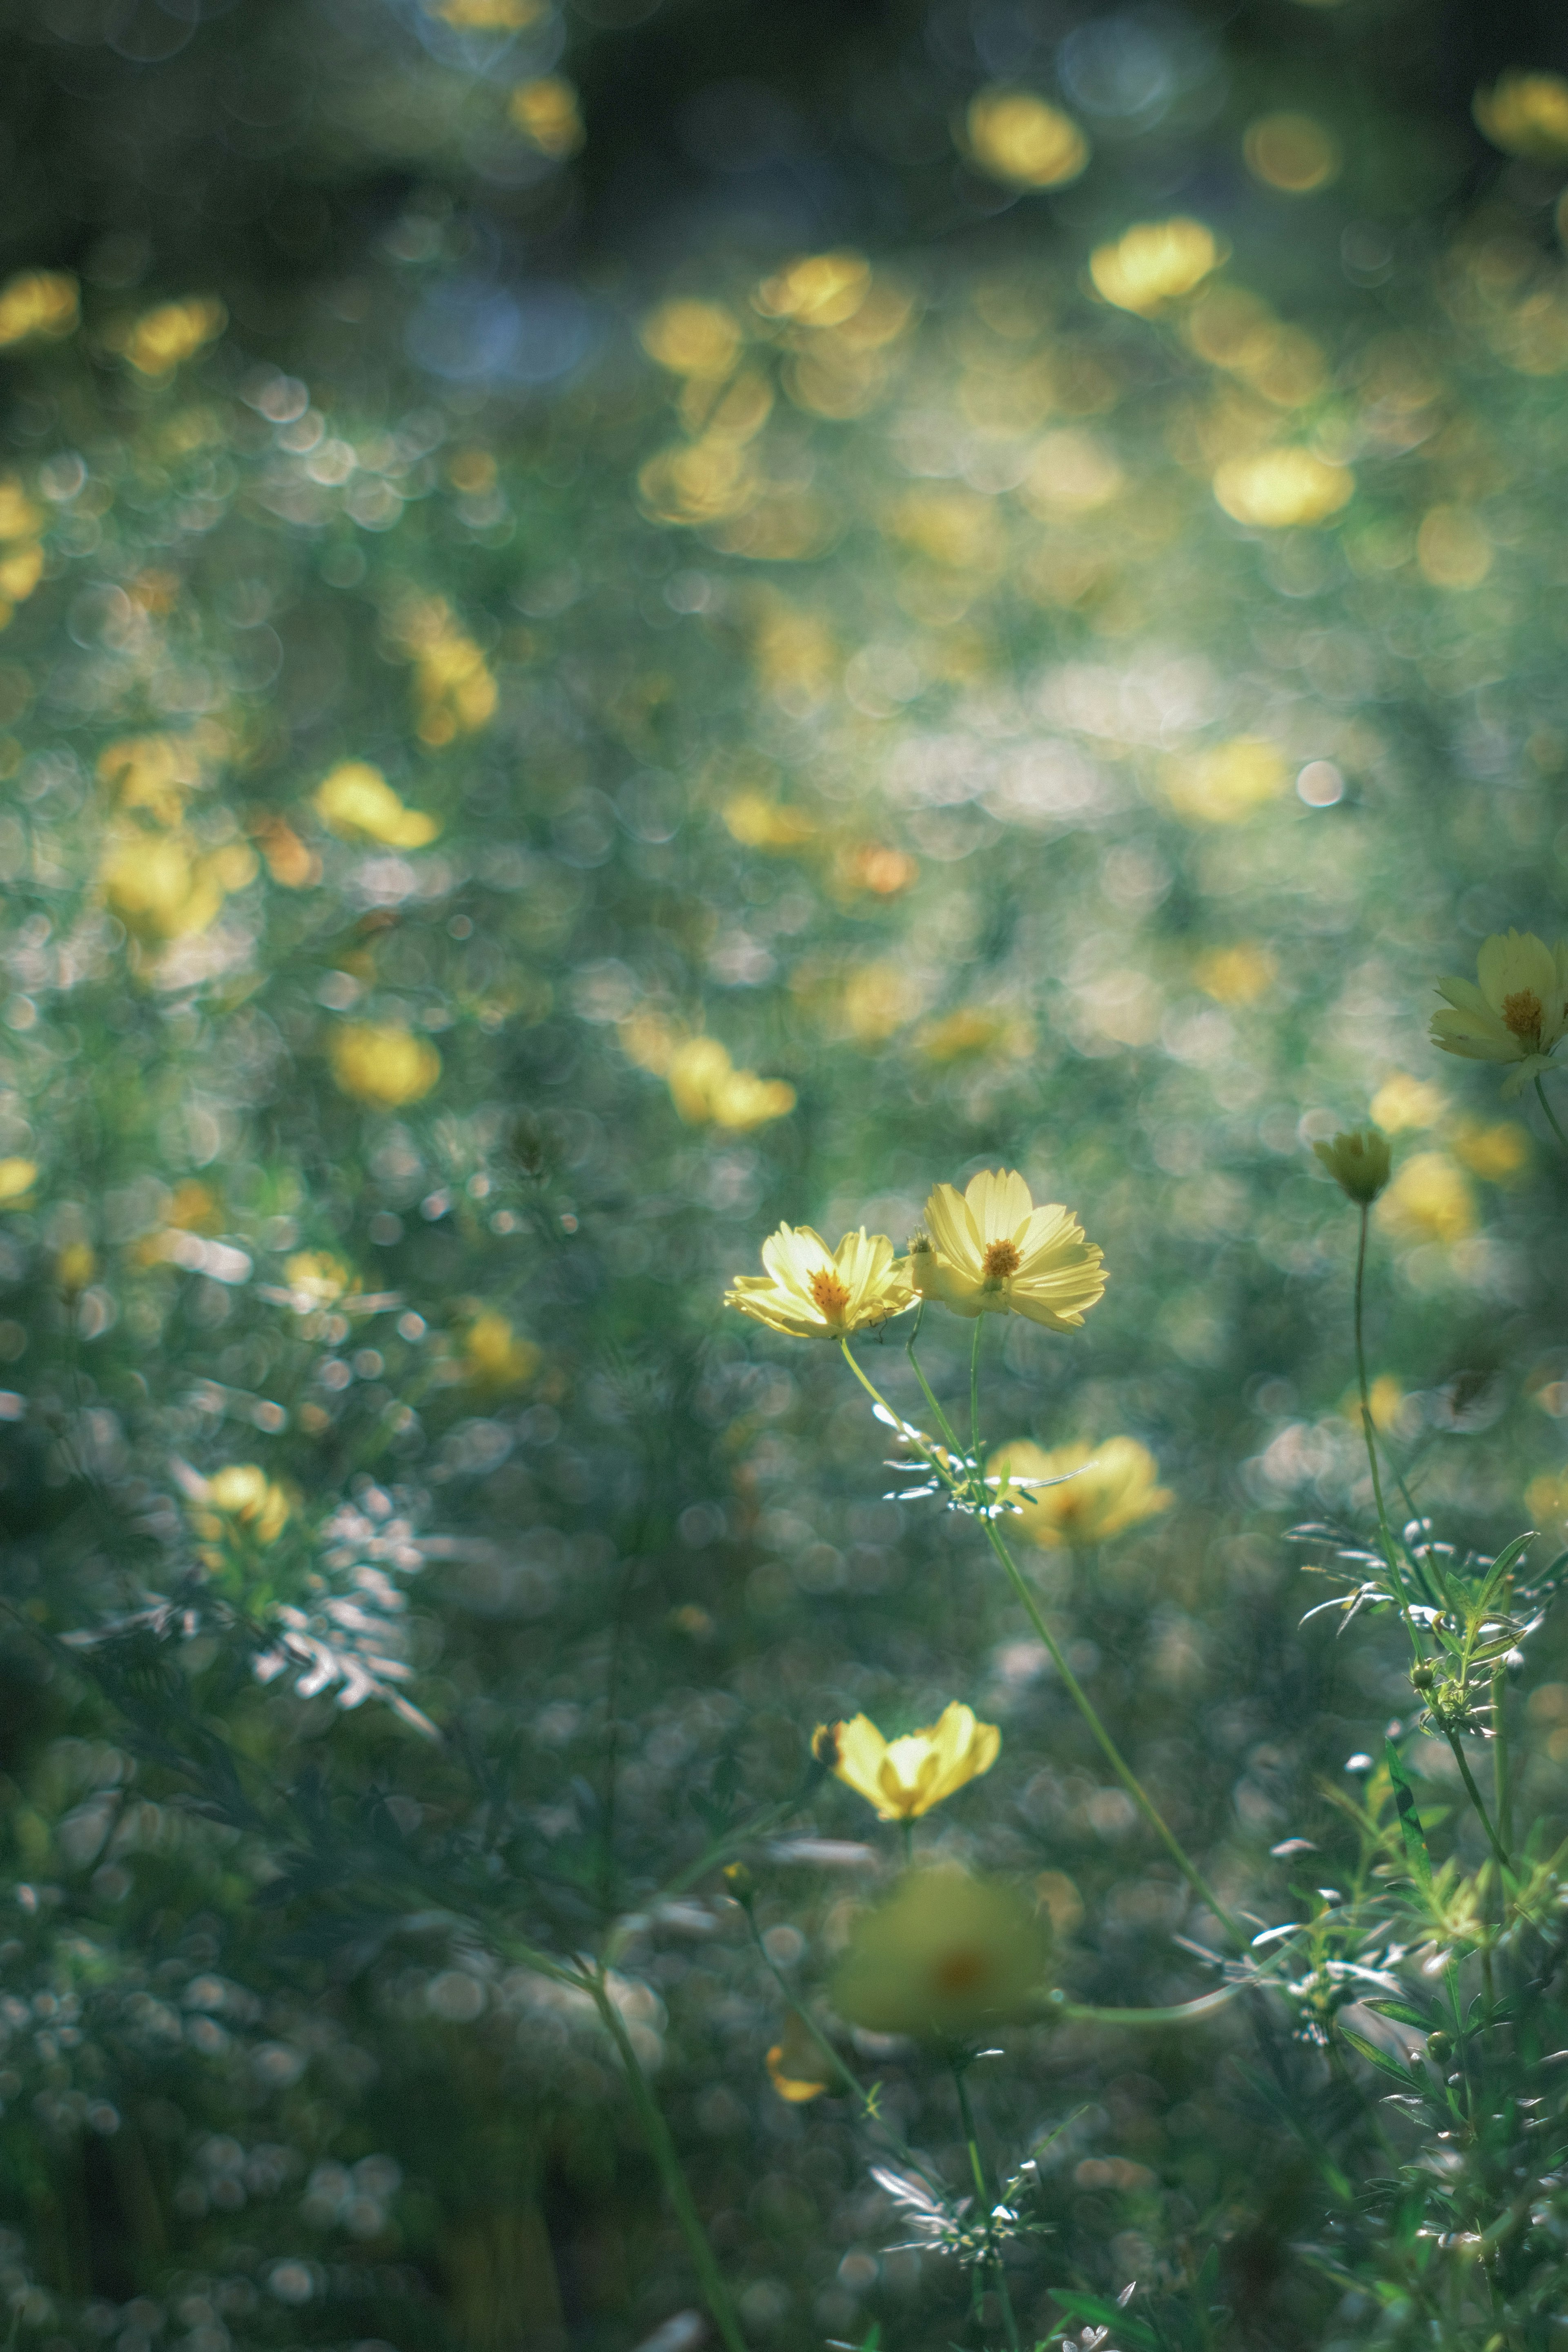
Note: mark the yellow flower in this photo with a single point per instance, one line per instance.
(905, 1778)
(495, 1357)
(164, 338)
(1515, 1010)
(17, 1177)
(1526, 114)
(705, 1085)
(316, 1278)
(797, 2068)
(1155, 262)
(996, 1254)
(241, 1500)
(381, 1062)
(1498, 1153)
(546, 112)
(1430, 1199)
(357, 801)
(37, 302)
(945, 1957)
(693, 338)
(1104, 1489)
(814, 1293)
(1277, 488)
(162, 887)
(1358, 1162)
(1018, 138)
(1402, 1101)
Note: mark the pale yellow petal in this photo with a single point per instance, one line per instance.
(1000, 1203)
(954, 1229)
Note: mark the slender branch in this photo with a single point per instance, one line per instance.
(974, 1391)
(662, 2149)
(1503, 1791)
(1369, 1434)
(1552, 1116)
(983, 2192)
(1475, 1797)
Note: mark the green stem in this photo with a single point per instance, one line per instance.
(983, 2192)
(974, 1391)
(1475, 1797)
(662, 2149)
(1551, 1115)
(1113, 1756)
(940, 1417)
(1369, 1433)
(1504, 1794)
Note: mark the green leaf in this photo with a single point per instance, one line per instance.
(1410, 1828)
(1095, 2307)
(1400, 2011)
(1382, 2060)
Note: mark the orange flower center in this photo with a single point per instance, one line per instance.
(828, 1294)
(1000, 1260)
(1521, 1014)
(960, 1972)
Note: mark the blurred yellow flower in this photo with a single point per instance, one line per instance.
(996, 1254)
(240, 1500)
(316, 1278)
(547, 113)
(693, 338)
(945, 1957)
(74, 1267)
(1358, 1160)
(1155, 262)
(1546, 1500)
(1227, 782)
(1515, 1010)
(37, 302)
(905, 1778)
(1385, 1396)
(1403, 1102)
(705, 1085)
(164, 887)
(811, 1292)
(976, 1033)
(488, 15)
(19, 517)
(162, 339)
(17, 1177)
(820, 290)
(154, 773)
(1497, 1153)
(1452, 548)
(1430, 1199)
(1018, 138)
(1526, 114)
(357, 801)
(382, 1063)
(797, 2067)
(454, 691)
(1105, 1489)
(1235, 975)
(759, 822)
(1292, 151)
(1277, 488)
(20, 573)
(496, 1357)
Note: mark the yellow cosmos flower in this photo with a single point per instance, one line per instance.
(946, 1957)
(496, 1357)
(1526, 114)
(1155, 262)
(164, 338)
(1099, 1491)
(797, 2068)
(37, 302)
(241, 1501)
(1358, 1162)
(1515, 1010)
(357, 801)
(380, 1061)
(905, 1778)
(316, 1278)
(994, 1253)
(17, 1177)
(1017, 138)
(814, 1293)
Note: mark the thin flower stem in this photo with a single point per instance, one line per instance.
(1551, 1115)
(1500, 1785)
(941, 1418)
(974, 1391)
(983, 2192)
(662, 2149)
(1389, 1553)
(1113, 1756)
(1474, 1794)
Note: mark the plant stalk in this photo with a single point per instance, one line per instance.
(1475, 1797)
(1384, 1531)
(983, 2192)
(1551, 1115)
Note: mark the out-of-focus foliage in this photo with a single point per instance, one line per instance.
(622, 629)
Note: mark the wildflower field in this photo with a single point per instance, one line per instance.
(784, 812)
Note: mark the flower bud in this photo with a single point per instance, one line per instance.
(824, 1745)
(1439, 2047)
(1358, 1161)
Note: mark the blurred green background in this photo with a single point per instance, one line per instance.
(622, 624)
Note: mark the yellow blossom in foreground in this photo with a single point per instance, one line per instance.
(905, 1778)
(1358, 1161)
(1155, 262)
(946, 1957)
(381, 1062)
(242, 1499)
(496, 1357)
(164, 338)
(17, 1177)
(992, 1252)
(814, 1293)
(1515, 1010)
(1430, 1199)
(357, 801)
(1018, 138)
(1526, 114)
(1105, 1489)
(37, 302)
